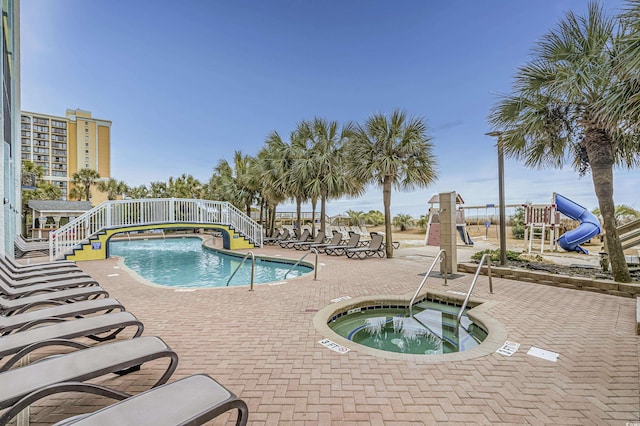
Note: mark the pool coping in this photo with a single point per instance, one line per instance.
(496, 331)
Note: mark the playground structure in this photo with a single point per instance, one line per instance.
(433, 235)
(542, 221)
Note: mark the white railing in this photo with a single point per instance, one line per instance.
(124, 213)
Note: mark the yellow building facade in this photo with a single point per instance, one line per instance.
(64, 145)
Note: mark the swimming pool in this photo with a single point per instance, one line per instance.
(183, 262)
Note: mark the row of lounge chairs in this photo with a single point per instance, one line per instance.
(353, 247)
(50, 306)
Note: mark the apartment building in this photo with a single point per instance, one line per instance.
(9, 110)
(64, 145)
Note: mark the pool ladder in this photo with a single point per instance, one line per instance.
(315, 269)
(253, 266)
(442, 255)
(475, 280)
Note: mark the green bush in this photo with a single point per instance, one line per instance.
(495, 255)
(517, 224)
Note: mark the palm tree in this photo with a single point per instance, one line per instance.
(84, 178)
(403, 221)
(268, 169)
(158, 190)
(392, 151)
(31, 173)
(355, 218)
(553, 115)
(623, 105)
(112, 187)
(76, 193)
(323, 169)
(235, 184)
(138, 192)
(285, 158)
(374, 217)
(185, 186)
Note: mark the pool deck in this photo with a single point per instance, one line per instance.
(264, 347)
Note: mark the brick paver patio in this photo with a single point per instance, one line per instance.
(264, 347)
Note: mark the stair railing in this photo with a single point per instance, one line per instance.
(441, 254)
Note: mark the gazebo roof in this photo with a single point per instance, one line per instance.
(58, 207)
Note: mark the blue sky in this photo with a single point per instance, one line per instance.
(187, 83)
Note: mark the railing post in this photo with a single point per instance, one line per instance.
(172, 210)
(107, 218)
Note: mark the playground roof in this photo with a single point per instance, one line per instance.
(436, 199)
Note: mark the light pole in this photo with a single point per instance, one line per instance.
(503, 219)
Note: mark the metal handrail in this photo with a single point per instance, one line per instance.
(473, 283)
(440, 254)
(315, 269)
(253, 265)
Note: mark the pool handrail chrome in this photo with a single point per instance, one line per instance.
(253, 265)
(315, 269)
(440, 254)
(473, 283)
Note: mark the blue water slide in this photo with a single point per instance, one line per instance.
(589, 225)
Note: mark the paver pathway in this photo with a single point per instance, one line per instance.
(263, 346)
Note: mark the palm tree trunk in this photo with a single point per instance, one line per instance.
(314, 201)
(386, 199)
(601, 160)
(272, 218)
(323, 208)
(298, 216)
(260, 219)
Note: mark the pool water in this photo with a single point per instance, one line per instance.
(183, 262)
(433, 330)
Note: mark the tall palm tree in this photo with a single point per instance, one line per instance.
(392, 151)
(323, 169)
(553, 115)
(84, 178)
(270, 173)
(623, 105)
(286, 157)
(112, 187)
(235, 184)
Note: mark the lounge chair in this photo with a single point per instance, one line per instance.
(335, 240)
(21, 274)
(339, 250)
(11, 292)
(193, 400)
(61, 331)
(57, 309)
(305, 245)
(23, 247)
(289, 243)
(9, 306)
(75, 278)
(23, 386)
(274, 240)
(375, 247)
(63, 265)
